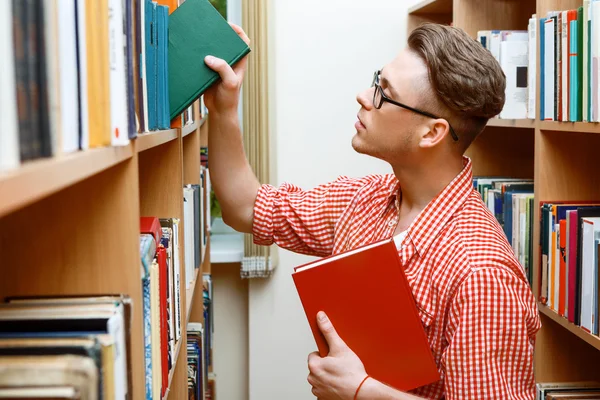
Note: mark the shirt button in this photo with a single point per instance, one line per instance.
(391, 223)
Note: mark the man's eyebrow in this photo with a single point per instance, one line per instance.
(388, 85)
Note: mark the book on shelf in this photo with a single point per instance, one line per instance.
(512, 48)
(567, 390)
(77, 341)
(196, 29)
(197, 369)
(367, 297)
(569, 262)
(159, 239)
(569, 40)
(511, 201)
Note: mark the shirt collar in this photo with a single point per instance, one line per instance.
(433, 218)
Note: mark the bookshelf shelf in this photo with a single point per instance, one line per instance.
(189, 296)
(172, 372)
(186, 130)
(41, 178)
(584, 127)
(432, 7)
(149, 140)
(512, 123)
(592, 340)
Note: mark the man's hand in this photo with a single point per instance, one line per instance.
(224, 96)
(336, 376)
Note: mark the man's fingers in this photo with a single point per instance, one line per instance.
(313, 361)
(335, 342)
(228, 76)
(240, 32)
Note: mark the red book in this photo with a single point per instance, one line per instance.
(151, 225)
(365, 294)
(161, 256)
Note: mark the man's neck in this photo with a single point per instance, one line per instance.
(421, 184)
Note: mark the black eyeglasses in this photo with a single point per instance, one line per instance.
(379, 97)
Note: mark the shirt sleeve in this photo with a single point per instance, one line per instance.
(491, 333)
(300, 220)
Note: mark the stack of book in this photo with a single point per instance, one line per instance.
(511, 201)
(159, 251)
(515, 51)
(570, 244)
(66, 346)
(567, 390)
(570, 64)
(67, 81)
(197, 371)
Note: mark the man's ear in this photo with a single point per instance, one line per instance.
(438, 130)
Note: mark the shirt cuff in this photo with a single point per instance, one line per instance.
(262, 225)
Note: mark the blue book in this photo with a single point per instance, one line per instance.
(542, 36)
(147, 336)
(574, 79)
(150, 44)
(166, 67)
(161, 75)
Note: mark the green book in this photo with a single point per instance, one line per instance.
(196, 29)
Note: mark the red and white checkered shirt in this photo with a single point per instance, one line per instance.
(477, 308)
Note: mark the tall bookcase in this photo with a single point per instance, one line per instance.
(70, 225)
(561, 157)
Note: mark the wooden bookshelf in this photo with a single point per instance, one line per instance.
(512, 123)
(149, 140)
(70, 225)
(560, 156)
(569, 126)
(431, 7)
(41, 178)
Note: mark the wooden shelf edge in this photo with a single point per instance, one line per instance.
(186, 130)
(432, 7)
(576, 330)
(173, 367)
(189, 296)
(149, 140)
(37, 179)
(512, 123)
(580, 127)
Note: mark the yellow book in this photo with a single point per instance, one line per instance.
(96, 14)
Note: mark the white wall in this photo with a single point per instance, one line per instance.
(322, 54)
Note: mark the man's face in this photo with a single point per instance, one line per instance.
(392, 133)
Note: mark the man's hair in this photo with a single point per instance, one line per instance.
(467, 81)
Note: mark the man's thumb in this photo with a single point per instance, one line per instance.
(334, 341)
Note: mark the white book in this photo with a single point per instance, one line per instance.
(69, 87)
(52, 57)
(514, 59)
(532, 68)
(564, 35)
(177, 278)
(595, 74)
(118, 81)
(83, 79)
(9, 134)
(589, 229)
(586, 60)
(549, 69)
(188, 226)
(495, 40)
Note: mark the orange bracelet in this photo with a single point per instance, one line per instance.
(359, 386)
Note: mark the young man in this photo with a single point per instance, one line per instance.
(421, 113)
